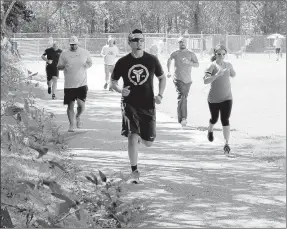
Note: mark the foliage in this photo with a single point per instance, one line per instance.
(27, 128)
(88, 17)
(19, 14)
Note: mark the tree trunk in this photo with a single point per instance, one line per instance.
(3, 24)
(238, 17)
(169, 24)
(158, 23)
(196, 19)
(106, 25)
(176, 24)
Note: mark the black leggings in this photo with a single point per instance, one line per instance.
(225, 111)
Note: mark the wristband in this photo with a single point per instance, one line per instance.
(160, 96)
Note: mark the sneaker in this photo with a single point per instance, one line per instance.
(210, 136)
(71, 129)
(106, 85)
(79, 124)
(226, 149)
(183, 122)
(49, 90)
(53, 96)
(135, 177)
(110, 89)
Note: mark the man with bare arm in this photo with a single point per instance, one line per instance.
(75, 62)
(137, 70)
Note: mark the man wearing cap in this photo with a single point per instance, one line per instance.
(75, 62)
(110, 51)
(184, 60)
(53, 54)
(137, 70)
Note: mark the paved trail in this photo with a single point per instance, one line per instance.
(186, 181)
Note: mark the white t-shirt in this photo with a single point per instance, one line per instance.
(110, 54)
(278, 43)
(75, 72)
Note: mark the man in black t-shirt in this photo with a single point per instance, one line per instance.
(137, 70)
(52, 72)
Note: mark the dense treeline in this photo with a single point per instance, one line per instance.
(194, 17)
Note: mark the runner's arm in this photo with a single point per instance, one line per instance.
(44, 56)
(89, 61)
(208, 77)
(194, 61)
(103, 53)
(61, 65)
(168, 63)
(162, 84)
(232, 72)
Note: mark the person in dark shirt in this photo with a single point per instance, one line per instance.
(137, 70)
(51, 56)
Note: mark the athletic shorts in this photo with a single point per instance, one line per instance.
(140, 121)
(277, 50)
(51, 71)
(72, 94)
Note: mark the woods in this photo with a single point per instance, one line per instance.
(193, 17)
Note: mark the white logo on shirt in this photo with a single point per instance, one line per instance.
(138, 74)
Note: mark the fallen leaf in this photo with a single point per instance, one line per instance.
(63, 208)
(103, 176)
(90, 179)
(57, 165)
(63, 197)
(6, 221)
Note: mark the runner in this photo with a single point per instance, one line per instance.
(75, 62)
(53, 54)
(138, 101)
(184, 60)
(220, 97)
(110, 51)
(154, 50)
(277, 44)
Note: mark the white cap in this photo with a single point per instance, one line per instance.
(74, 40)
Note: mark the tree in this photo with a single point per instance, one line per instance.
(17, 13)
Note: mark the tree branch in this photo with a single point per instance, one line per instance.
(3, 24)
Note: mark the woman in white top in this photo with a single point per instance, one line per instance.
(220, 97)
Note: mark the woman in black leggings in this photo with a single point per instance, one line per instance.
(220, 97)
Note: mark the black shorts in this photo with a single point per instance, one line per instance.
(277, 50)
(51, 71)
(141, 121)
(72, 94)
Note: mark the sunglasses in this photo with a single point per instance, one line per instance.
(73, 44)
(137, 40)
(220, 54)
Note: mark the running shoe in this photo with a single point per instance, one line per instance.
(135, 177)
(210, 136)
(183, 122)
(53, 96)
(106, 85)
(71, 129)
(226, 149)
(49, 90)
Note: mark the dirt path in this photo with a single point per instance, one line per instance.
(185, 180)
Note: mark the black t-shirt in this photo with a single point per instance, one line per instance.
(138, 73)
(52, 55)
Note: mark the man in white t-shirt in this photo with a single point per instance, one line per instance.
(277, 44)
(75, 62)
(110, 52)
